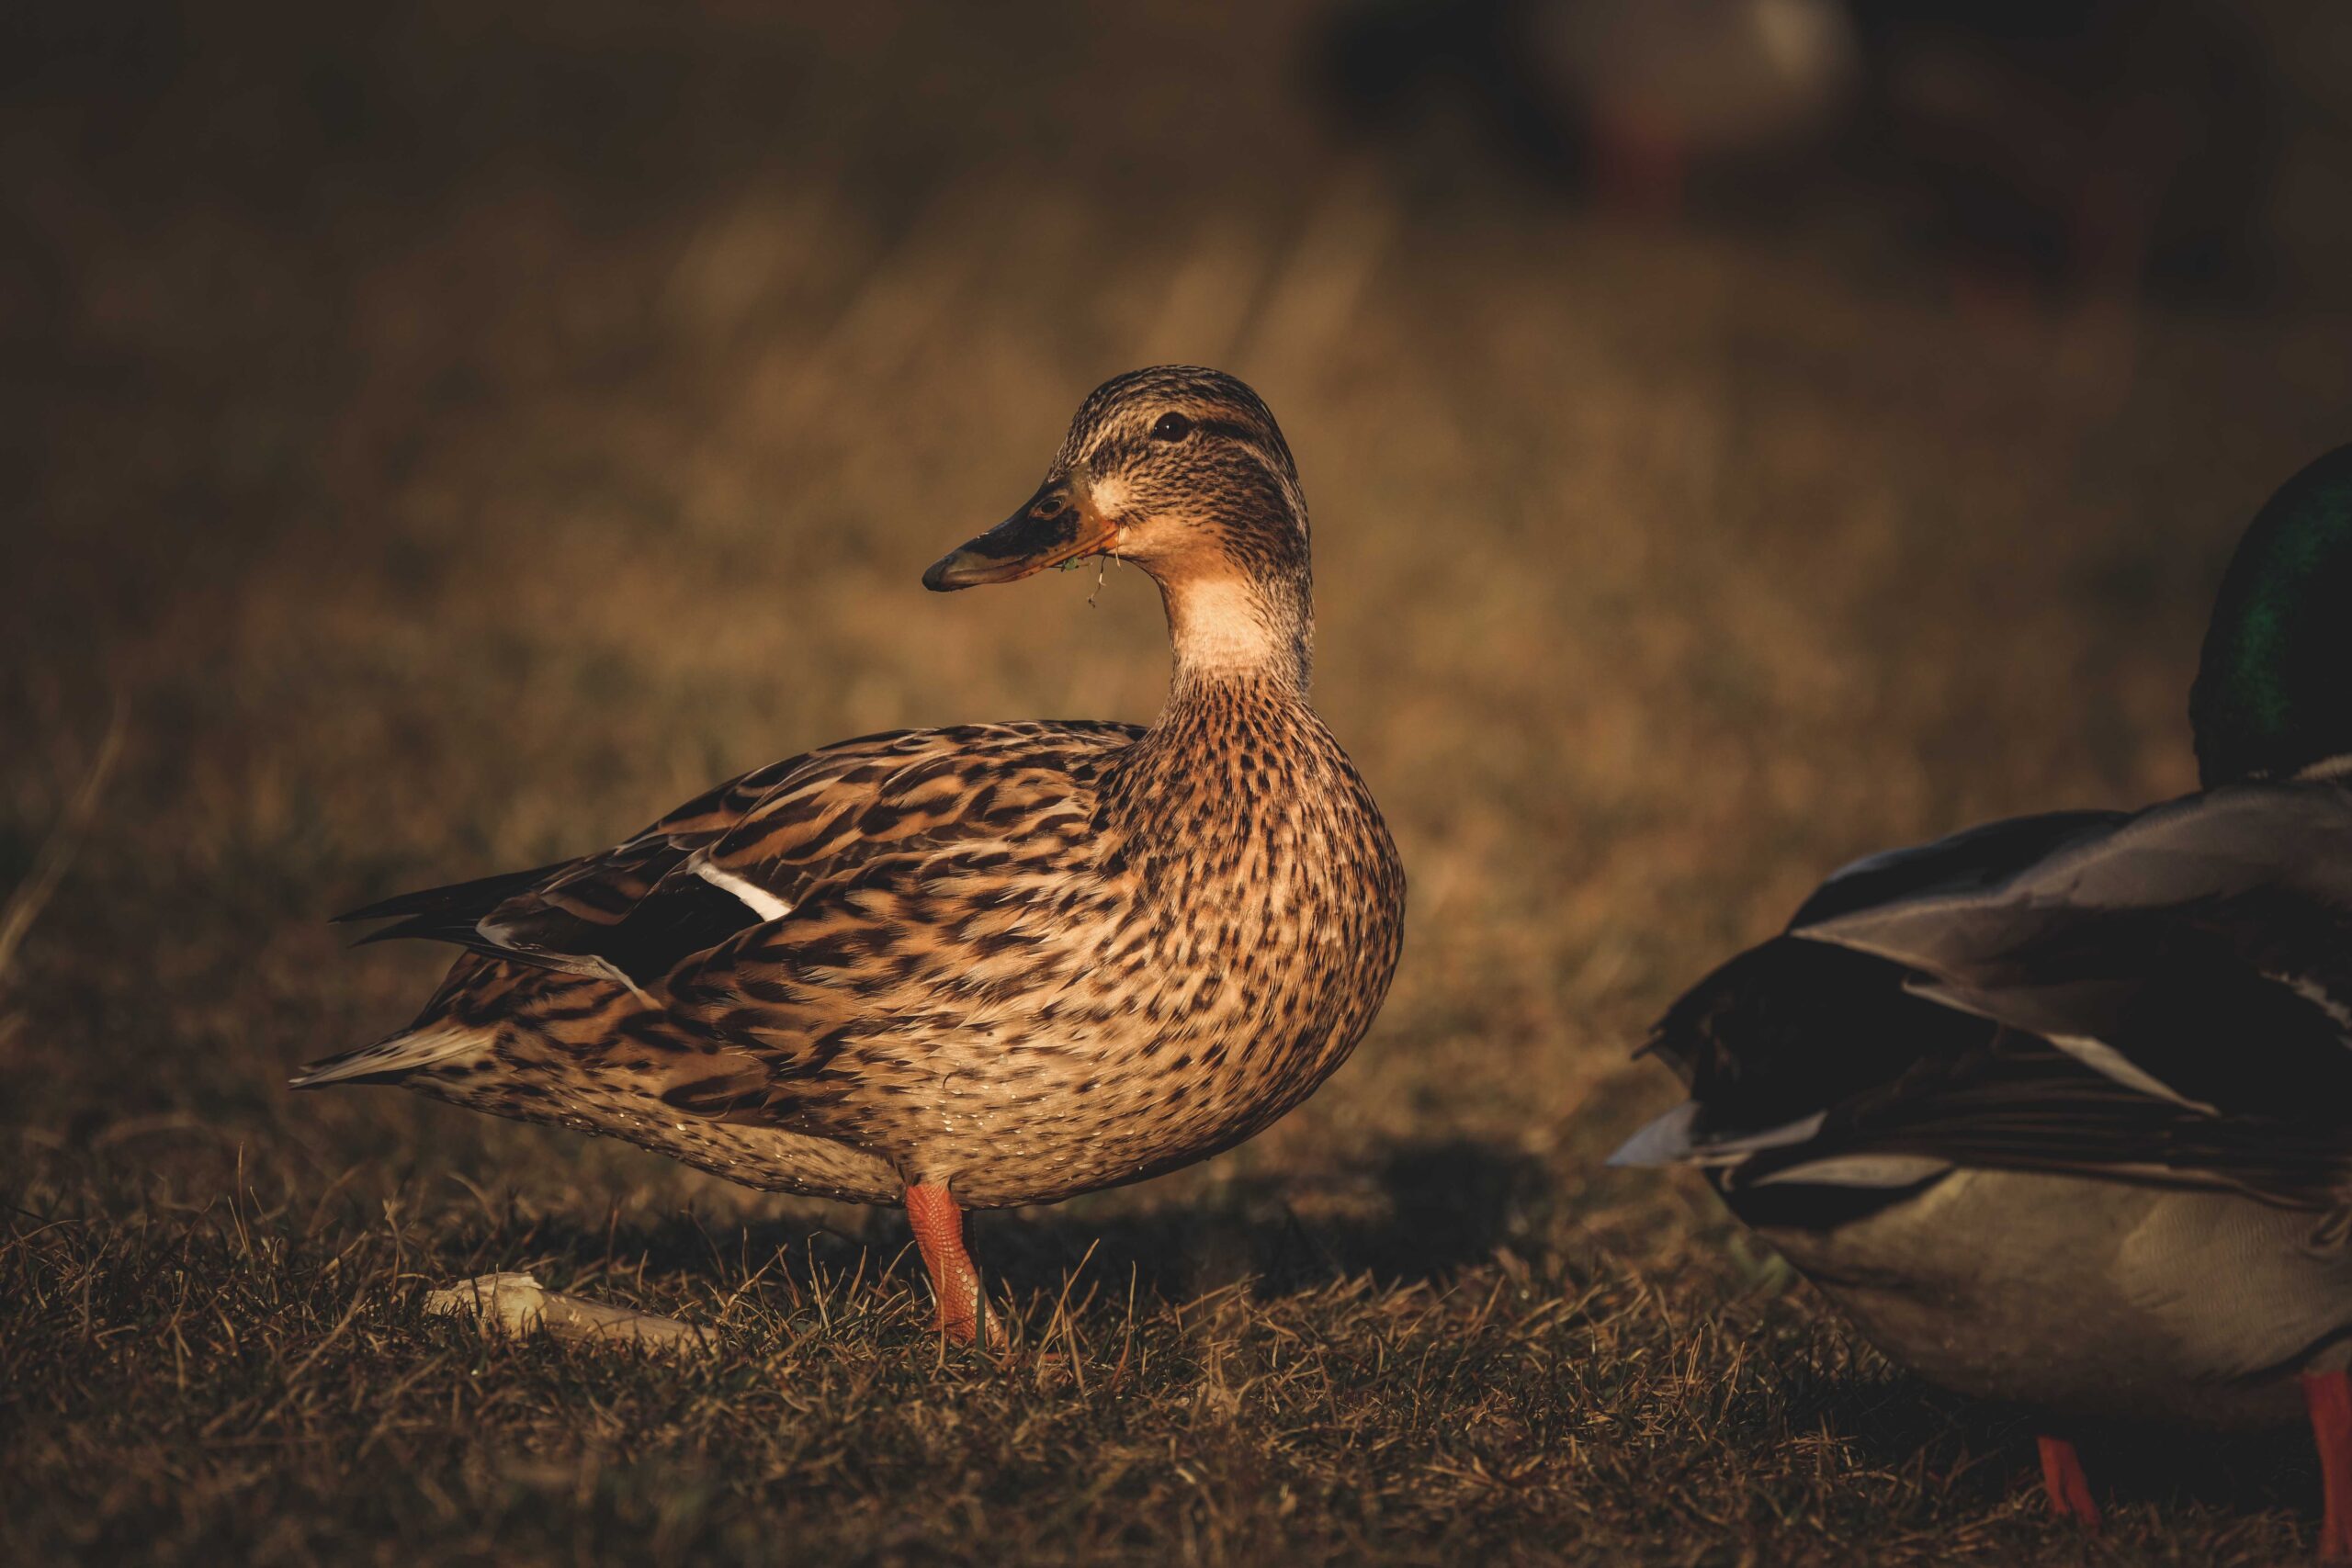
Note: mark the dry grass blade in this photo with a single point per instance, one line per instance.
(30, 897)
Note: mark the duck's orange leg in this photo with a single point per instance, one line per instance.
(2069, 1488)
(954, 1284)
(2328, 1397)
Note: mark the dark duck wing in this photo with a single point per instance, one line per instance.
(2162, 996)
(2166, 995)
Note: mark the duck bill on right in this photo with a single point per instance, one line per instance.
(1058, 525)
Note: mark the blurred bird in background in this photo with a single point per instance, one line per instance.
(2085, 145)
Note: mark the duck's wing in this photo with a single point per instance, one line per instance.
(2200, 950)
(1972, 859)
(2159, 996)
(753, 849)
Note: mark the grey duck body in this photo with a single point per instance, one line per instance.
(2103, 1299)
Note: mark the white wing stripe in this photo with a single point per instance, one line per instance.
(1669, 1140)
(2101, 1057)
(759, 900)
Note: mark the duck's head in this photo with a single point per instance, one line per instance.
(1182, 472)
(2273, 698)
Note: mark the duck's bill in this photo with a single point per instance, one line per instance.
(1052, 530)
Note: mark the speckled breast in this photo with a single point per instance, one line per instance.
(1225, 979)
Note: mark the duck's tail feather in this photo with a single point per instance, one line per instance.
(446, 913)
(394, 1057)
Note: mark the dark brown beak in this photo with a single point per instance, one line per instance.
(1054, 527)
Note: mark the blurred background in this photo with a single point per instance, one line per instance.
(1741, 435)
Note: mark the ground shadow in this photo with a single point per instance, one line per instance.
(1987, 1451)
(1408, 1213)
(1412, 1213)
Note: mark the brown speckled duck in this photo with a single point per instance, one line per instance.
(980, 966)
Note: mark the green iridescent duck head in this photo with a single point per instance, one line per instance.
(2273, 698)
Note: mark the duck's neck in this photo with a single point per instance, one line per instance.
(1235, 629)
(1237, 716)
(2271, 699)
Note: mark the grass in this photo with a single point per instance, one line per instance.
(443, 440)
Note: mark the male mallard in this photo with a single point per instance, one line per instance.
(978, 966)
(2054, 1109)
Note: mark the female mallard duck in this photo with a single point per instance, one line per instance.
(2055, 1109)
(978, 967)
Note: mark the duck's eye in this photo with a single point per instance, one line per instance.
(1172, 427)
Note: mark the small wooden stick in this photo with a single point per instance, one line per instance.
(518, 1304)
